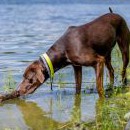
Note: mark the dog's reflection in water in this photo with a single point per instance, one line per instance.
(38, 118)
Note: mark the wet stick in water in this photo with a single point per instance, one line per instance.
(11, 95)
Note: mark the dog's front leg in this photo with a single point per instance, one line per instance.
(78, 78)
(99, 69)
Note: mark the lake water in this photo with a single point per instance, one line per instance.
(26, 31)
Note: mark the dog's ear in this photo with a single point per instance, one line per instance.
(40, 76)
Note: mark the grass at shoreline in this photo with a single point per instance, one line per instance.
(110, 114)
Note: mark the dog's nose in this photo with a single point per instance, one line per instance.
(22, 92)
(16, 93)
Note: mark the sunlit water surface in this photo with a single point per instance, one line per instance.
(26, 31)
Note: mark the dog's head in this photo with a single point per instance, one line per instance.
(33, 77)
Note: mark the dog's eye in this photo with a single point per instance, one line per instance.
(31, 80)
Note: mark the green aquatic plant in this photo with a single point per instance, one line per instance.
(9, 83)
(60, 79)
(110, 113)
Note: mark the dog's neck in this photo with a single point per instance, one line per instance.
(58, 60)
(57, 56)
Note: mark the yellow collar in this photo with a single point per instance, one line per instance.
(48, 65)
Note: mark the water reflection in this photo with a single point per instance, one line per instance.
(76, 111)
(25, 115)
(28, 115)
(36, 118)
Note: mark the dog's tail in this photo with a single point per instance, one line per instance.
(111, 11)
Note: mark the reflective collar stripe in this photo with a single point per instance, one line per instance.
(48, 65)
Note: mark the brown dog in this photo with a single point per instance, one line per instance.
(86, 45)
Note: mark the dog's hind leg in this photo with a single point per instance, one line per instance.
(123, 40)
(124, 47)
(99, 70)
(78, 78)
(110, 69)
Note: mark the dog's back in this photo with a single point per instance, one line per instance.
(100, 34)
